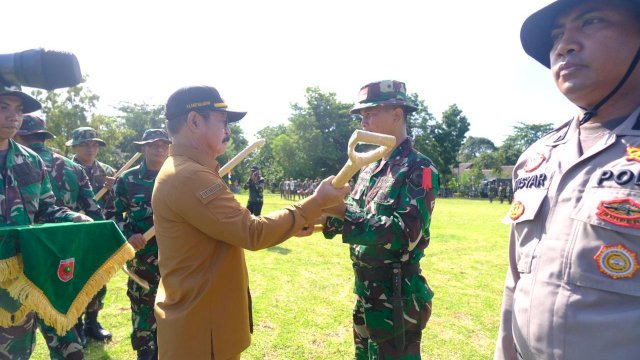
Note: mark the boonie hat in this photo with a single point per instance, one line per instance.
(29, 104)
(535, 34)
(195, 98)
(32, 124)
(152, 135)
(84, 134)
(386, 92)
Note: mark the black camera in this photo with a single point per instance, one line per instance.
(40, 68)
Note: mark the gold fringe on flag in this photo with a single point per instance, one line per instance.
(8, 319)
(10, 268)
(33, 298)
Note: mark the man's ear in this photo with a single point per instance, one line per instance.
(398, 114)
(193, 121)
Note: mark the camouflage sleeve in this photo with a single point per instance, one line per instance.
(47, 209)
(86, 197)
(332, 227)
(398, 223)
(121, 205)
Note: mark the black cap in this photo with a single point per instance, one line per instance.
(194, 98)
(535, 34)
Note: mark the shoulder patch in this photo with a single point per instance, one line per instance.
(211, 190)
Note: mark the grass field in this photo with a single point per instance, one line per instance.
(302, 292)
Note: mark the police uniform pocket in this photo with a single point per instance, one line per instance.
(603, 250)
(525, 206)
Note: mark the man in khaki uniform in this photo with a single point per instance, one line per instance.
(573, 286)
(203, 302)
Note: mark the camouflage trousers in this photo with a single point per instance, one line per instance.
(97, 303)
(373, 332)
(143, 320)
(18, 342)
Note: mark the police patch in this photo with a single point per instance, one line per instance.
(623, 212)
(517, 209)
(633, 153)
(534, 162)
(210, 190)
(617, 261)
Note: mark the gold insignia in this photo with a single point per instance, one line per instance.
(210, 190)
(623, 212)
(633, 153)
(534, 162)
(617, 261)
(517, 209)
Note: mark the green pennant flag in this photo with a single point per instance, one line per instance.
(62, 267)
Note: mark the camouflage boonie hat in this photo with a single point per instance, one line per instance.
(84, 134)
(29, 104)
(150, 136)
(386, 92)
(32, 124)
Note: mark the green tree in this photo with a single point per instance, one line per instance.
(524, 135)
(474, 147)
(272, 170)
(317, 136)
(441, 140)
(136, 118)
(66, 110)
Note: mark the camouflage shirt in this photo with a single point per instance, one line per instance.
(389, 210)
(69, 182)
(25, 191)
(97, 174)
(133, 203)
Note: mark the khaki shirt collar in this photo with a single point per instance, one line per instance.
(195, 155)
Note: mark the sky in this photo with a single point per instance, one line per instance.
(262, 55)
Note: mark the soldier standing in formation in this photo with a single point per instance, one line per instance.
(134, 217)
(86, 144)
(72, 189)
(386, 223)
(27, 198)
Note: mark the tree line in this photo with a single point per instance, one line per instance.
(311, 144)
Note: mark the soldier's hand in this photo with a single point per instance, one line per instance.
(82, 218)
(137, 241)
(109, 181)
(312, 227)
(328, 195)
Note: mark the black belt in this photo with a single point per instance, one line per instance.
(384, 272)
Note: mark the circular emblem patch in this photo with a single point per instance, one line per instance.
(534, 162)
(617, 261)
(517, 209)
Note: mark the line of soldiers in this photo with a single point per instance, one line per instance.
(61, 195)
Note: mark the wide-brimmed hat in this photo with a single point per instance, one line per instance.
(32, 124)
(535, 34)
(152, 135)
(29, 104)
(84, 134)
(386, 92)
(195, 98)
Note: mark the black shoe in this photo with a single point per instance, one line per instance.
(147, 354)
(79, 328)
(94, 330)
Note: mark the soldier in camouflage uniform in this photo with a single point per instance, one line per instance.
(134, 217)
(72, 189)
(26, 198)
(386, 221)
(255, 184)
(86, 143)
